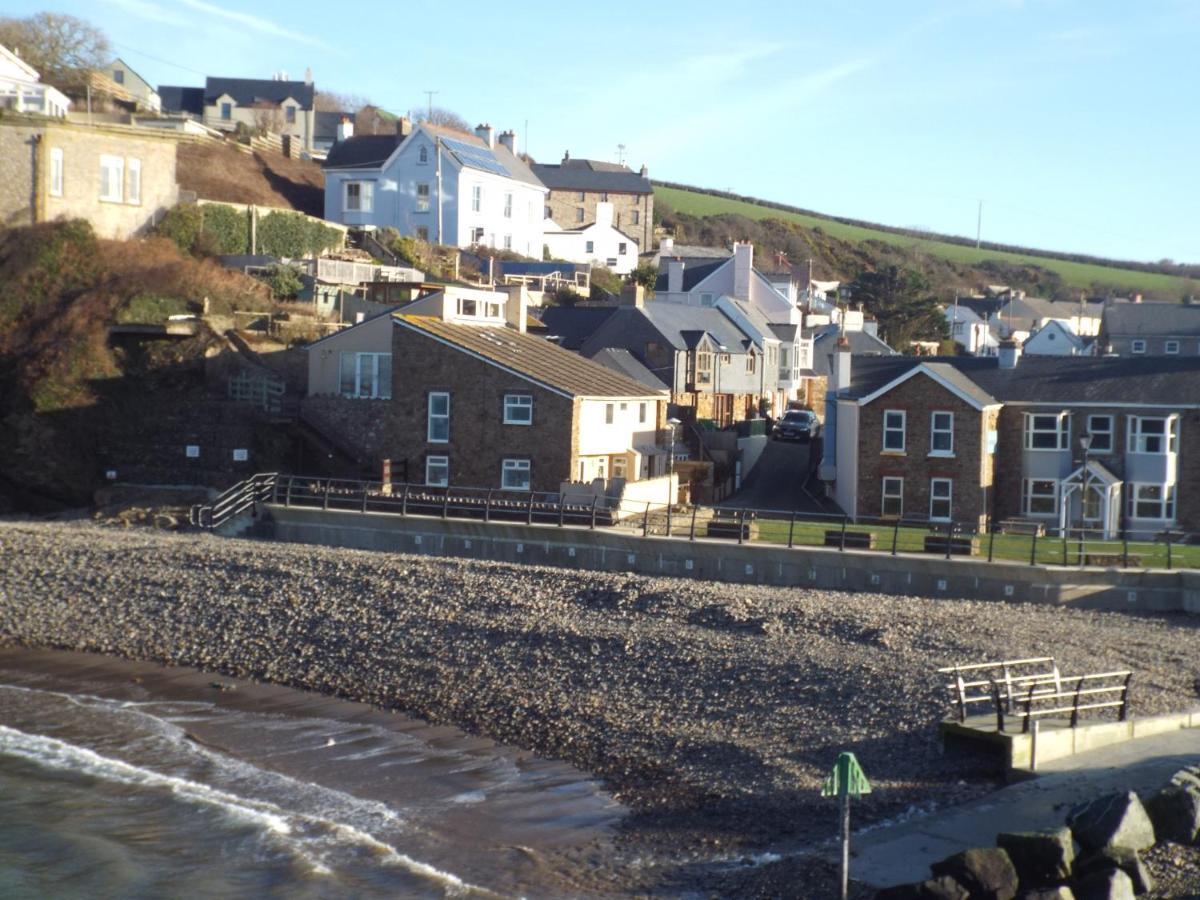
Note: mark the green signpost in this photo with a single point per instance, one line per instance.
(846, 780)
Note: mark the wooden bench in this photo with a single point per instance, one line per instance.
(854, 540)
(731, 528)
(1028, 527)
(960, 545)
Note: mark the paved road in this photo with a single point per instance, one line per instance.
(784, 479)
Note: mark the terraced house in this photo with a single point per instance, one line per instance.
(1107, 445)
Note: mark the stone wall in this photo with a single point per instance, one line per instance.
(353, 425)
(565, 205)
(19, 153)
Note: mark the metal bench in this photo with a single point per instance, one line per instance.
(1028, 527)
(854, 540)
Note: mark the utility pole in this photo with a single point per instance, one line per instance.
(979, 225)
(620, 154)
(429, 107)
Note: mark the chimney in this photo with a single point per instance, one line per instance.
(566, 157)
(743, 262)
(666, 246)
(308, 76)
(633, 294)
(487, 134)
(509, 140)
(1010, 352)
(675, 276)
(604, 213)
(644, 171)
(841, 367)
(516, 307)
(345, 129)
(403, 127)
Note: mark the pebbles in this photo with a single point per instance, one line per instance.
(712, 710)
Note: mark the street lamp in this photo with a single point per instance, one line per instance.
(674, 423)
(1085, 444)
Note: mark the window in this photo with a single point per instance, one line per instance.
(635, 217)
(582, 196)
(619, 466)
(518, 409)
(192, 451)
(422, 233)
(468, 307)
(508, 206)
(893, 497)
(1171, 347)
(1139, 347)
(289, 114)
(579, 214)
(641, 413)
(704, 364)
(941, 434)
(423, 156)
(226, 111)
(1151, 434)
(546, 210)
(360, 196)
(476, 198)
(750, 363)
(621, 249)
(514, 475)
(1047, 431)
(604, 197)
(56, 172)
(133, 195)
(610, 261)
(1152, 501)
(112, 178)
(589, 247)
(423, 197)
(366, 375)
(706, 299)
(119, 76)
(1100, 428)
(893, 430)
(438, 428)
(941, 495)
(608, 413)
(476, 235)
(508, 242)
(1040, 497)
(437, 471)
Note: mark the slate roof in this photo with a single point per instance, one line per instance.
(1088, 380)
(181, 99)
(621, 360)
(325, 124)
(575, 324)
(362, 151)
(692, 274)
(517, 168)
(687, 252)
(675, 320)
(531, 356)
(591, 175)
(1174, 319)
(252, 91)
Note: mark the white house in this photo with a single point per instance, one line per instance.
(702, 283)
(439, 185)
(971, 332)
(21, 88)
(140, 91)
(1055, 338)
(599, 243)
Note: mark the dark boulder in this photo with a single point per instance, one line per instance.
(1062, 892)
(1128, 861)
(1041, 858)
(986, 872)
(944, 888)
(1175, 812)
(1111, 884)
(1115, 820)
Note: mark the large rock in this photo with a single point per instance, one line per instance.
(1111, 884)
(1041, 858)
(944, 888)
(1115, 820)
(1175, 810)
(1062, 892)
(986, 872)
(1128, 861)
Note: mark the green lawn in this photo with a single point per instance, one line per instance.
(1074, 274)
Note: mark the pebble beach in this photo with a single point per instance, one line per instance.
(712, 712)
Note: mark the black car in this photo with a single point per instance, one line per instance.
(797, 425)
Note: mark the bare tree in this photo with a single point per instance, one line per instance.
(444, 117)
(268, 119)
(62, 48)
(331, 101)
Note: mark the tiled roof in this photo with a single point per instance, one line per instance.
(250, 91)
(363, 151)
(325, 123)
(531, 356)
(1176, 319)
(575, 324)
(676, 320)
(621, 360)
(591, 175)
(181, 99)
(693, 273)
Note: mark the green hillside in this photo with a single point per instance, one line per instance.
(1077, 275)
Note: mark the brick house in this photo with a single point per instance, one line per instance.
(578, 185)
(1105, 444)
(119, 178)
(482, 403)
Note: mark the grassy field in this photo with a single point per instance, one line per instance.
(1078, 275)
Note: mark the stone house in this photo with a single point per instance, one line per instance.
(119, 178)
(598, 243)
(457, 396)
(1103, 444)
(578, 186)
(1150, 329)
(273, 104)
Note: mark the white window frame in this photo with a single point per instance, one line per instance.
(706, 299)
(365, 200)
(112, 175)
(56, 171)
(642, 413)
(476, 235)
(609, 413)
(1171, 348)
(133, 192)
(621, 247)
(508, 205)
(434, 422)
(377, 367)
(508, 242)
(516, 467)
(935, 498)
(935, 432)
(1139, 439)
(476, 197)
(1138, 346)
(119, 76)
(896, 494)
(518, 409)
(891, 429)
(440, 462)
(423, 201)
(1165, 503)
(1062, 430)
(589, 247)
(1028, 496)
(1106, 433)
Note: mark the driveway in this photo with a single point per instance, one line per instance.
(784, 479)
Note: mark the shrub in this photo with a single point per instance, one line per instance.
(284, 281)
(227, 229)
(294, 235)
(182, 224)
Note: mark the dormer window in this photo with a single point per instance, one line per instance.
(226, 111)
(423, 156)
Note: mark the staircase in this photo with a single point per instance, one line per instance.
(233, 512)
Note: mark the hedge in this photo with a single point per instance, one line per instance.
(217, 228)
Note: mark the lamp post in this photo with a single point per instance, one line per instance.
(1085, 444)
(671, 494)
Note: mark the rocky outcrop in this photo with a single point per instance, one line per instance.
(1041, 858)
(1175, 810)
(1116, 820)
(986, 873)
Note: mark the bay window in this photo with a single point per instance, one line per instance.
(1152, 434)
(1152, 501)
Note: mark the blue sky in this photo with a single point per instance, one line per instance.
(1075, 121)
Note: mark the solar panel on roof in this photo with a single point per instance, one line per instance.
(475, 156)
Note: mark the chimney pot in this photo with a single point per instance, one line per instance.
(345, 129)
(487, 134)
(403, 127)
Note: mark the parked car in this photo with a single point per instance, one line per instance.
(797, 425)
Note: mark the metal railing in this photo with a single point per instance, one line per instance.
(233, 502)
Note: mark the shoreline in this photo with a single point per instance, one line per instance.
(711, 711)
